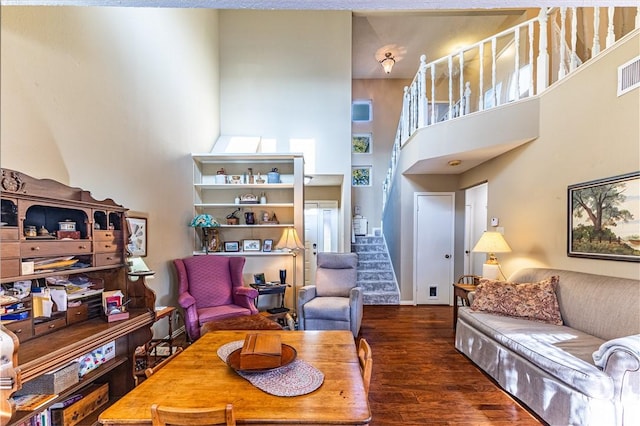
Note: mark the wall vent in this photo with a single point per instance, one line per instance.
(629, 76)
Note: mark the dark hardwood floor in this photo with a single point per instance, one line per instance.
(419, 378)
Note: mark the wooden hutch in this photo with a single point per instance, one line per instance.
(97, 249)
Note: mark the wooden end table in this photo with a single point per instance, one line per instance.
(461, 291)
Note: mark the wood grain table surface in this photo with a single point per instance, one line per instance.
(199, 378)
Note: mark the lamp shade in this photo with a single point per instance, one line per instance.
(388, 62)
(289, 240)
(492, 242)
(204, 221)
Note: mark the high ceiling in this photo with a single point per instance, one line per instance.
(407, 35)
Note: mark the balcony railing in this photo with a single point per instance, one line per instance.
(517, 63)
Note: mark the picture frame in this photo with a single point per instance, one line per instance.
(603, 218)
(361, 175)
(361, 143)
(251, 245)
(137, 240)
(267, 245)
(231, 246)
(259, 278)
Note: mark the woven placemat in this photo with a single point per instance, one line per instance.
(297, 378)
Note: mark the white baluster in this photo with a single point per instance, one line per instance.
(467, 98)
(433, 93)
(563, 42)
(595, 49)
(611, 37)
(450, 65)
(422, 93)
(493, 72)
(542, 81)
(516, 61)
(531, 58)
(405, 116)
(574, 39)
(481, 85)
(461, 81)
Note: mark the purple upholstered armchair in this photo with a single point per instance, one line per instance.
(211, 288)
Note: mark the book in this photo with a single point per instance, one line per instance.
(67, 402)
(32, 402)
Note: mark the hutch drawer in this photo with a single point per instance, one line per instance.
(49, 326)
(9, 268)
(22, 329)
(9, 249)
(8, 233)
(77, 314)
(106, 246)
(54, 248)
(105, 259)
(113, 236)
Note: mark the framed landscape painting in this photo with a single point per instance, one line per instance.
(361, 143)
(604, 218)
(361, 176)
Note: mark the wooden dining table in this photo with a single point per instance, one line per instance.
(197, 377)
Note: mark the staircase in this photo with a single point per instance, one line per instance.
(375, 272)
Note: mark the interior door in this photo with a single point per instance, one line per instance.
(475, 224)
(434, 247)
(321, 233)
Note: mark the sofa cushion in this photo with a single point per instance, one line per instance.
(563, 352)
(532, 301)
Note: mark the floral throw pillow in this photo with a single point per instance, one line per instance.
(532, 301)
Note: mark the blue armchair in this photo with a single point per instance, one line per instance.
(335, 301)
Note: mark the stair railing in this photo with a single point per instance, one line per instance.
(511, 65)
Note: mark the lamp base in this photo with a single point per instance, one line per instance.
(490, 271)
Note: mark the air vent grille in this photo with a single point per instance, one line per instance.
(629, 76)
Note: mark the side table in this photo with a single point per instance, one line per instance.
(272, 289)
(147, 356)
(461, 291)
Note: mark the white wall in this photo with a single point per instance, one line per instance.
(386, 96)
(113, 100)
(287, 75)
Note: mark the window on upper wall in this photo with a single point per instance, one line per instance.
(362, 111)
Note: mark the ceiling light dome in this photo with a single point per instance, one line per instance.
(388, 62)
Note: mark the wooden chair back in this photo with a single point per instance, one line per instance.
(149, 371)
(366, 362)
(469, 279)
(162, 415)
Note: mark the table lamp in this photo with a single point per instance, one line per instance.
(290, 242)
(205, 221)
(492, 243)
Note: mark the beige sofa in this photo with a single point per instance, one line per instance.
(584, 372)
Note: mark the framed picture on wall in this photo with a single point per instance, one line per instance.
(361, 143)
(361, 176)
(137, 244)
(603, 218)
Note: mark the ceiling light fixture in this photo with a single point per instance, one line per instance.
(454, 163)
(388, 62)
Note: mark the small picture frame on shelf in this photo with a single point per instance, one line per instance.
(231, 246)
(251, 245)
(259, 278)
(267, 245)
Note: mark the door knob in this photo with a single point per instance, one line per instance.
(446, 256)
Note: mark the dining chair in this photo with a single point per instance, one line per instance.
(162, 415)
(366, 363)
(151, 370)
(469, 279)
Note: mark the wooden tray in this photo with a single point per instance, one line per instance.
(288, 356)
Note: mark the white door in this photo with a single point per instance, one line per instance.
(320, 232)
(433, 261)
(475, 223)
